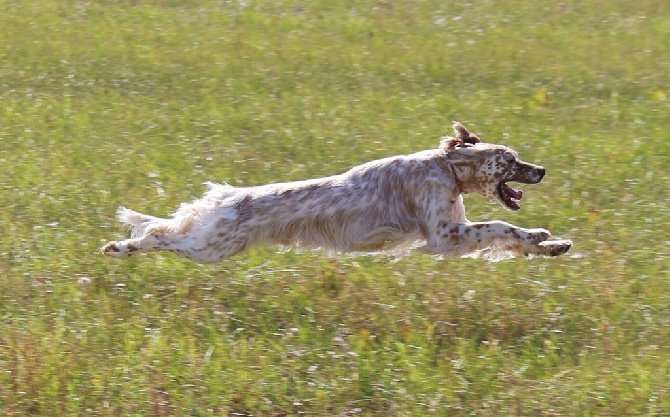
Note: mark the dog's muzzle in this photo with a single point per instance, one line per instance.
(524, 173)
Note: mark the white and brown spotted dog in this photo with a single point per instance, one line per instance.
(392, 204)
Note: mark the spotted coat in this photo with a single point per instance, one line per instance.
(393, 205)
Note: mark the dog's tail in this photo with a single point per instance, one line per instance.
(137, 222)
(186, 218)
(143, 224)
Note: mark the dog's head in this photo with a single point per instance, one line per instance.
(486, 169)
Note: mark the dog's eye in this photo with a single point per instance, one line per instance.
(509, 157)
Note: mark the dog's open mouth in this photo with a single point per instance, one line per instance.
(509, 196)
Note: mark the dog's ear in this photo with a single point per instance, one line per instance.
(464, 136)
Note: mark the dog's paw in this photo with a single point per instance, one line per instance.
(114, 249)
(555, 247)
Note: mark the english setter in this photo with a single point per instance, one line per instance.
(388, 205)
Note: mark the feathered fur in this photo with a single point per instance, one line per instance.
(392, 204)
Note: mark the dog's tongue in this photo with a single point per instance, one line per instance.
(512, 193)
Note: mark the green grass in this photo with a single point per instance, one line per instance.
(138, 102)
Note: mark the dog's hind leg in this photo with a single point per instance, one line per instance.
(211, 248)
(128, 247)
(185, 246)
(147, 234)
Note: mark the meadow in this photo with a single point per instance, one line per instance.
(104, 103)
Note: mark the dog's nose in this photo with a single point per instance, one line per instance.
(541, 171)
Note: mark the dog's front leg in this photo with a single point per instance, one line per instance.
(453, 239)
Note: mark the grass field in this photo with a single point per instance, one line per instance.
(139, 102)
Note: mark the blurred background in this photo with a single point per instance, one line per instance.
(138, 103)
